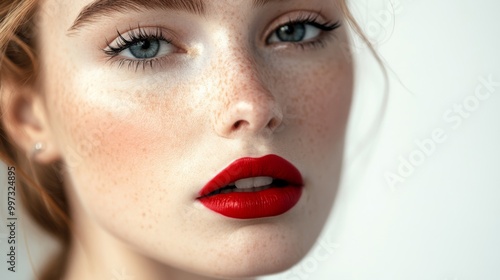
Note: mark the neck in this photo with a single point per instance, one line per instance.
(95, 254)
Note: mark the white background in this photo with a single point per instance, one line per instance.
(441, 222)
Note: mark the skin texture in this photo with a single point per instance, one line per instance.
(139, 143)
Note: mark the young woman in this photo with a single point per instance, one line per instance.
(178, 139)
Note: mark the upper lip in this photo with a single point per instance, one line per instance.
(269, 166)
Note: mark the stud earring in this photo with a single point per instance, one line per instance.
(37, 148)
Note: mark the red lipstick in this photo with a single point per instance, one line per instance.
(251, 188)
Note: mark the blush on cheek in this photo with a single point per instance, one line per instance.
(107, 127)
(112, 161)
(107, 139)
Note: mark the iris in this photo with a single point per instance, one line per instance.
(291, 32)
(145, 49)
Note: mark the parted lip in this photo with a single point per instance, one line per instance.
(267, 166)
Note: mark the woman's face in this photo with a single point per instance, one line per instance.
(149, 100)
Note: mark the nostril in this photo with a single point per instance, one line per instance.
(273, 123)
(252, 119)
(238, 124)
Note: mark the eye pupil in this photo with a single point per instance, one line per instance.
(144, 49)
(145, 45)
(291, 32)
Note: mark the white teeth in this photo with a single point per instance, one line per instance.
(254, 182)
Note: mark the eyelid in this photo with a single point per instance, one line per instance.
(140, 32)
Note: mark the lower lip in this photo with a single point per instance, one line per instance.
(253, 205)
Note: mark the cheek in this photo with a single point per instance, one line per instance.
(114, 143)
(318, 103)
(319, 110)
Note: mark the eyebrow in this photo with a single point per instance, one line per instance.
(101, 8)
(261, 3)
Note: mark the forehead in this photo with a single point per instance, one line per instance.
(84, 8)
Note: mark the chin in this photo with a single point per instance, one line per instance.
(262, 263)
(263, 249)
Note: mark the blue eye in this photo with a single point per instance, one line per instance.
(300, 31)
(140, 46)
(295, 32)
(147, 48)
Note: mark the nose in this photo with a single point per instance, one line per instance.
(246, 107)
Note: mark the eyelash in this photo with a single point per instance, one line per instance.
(141, 34)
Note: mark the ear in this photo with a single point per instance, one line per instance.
(25, 119)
